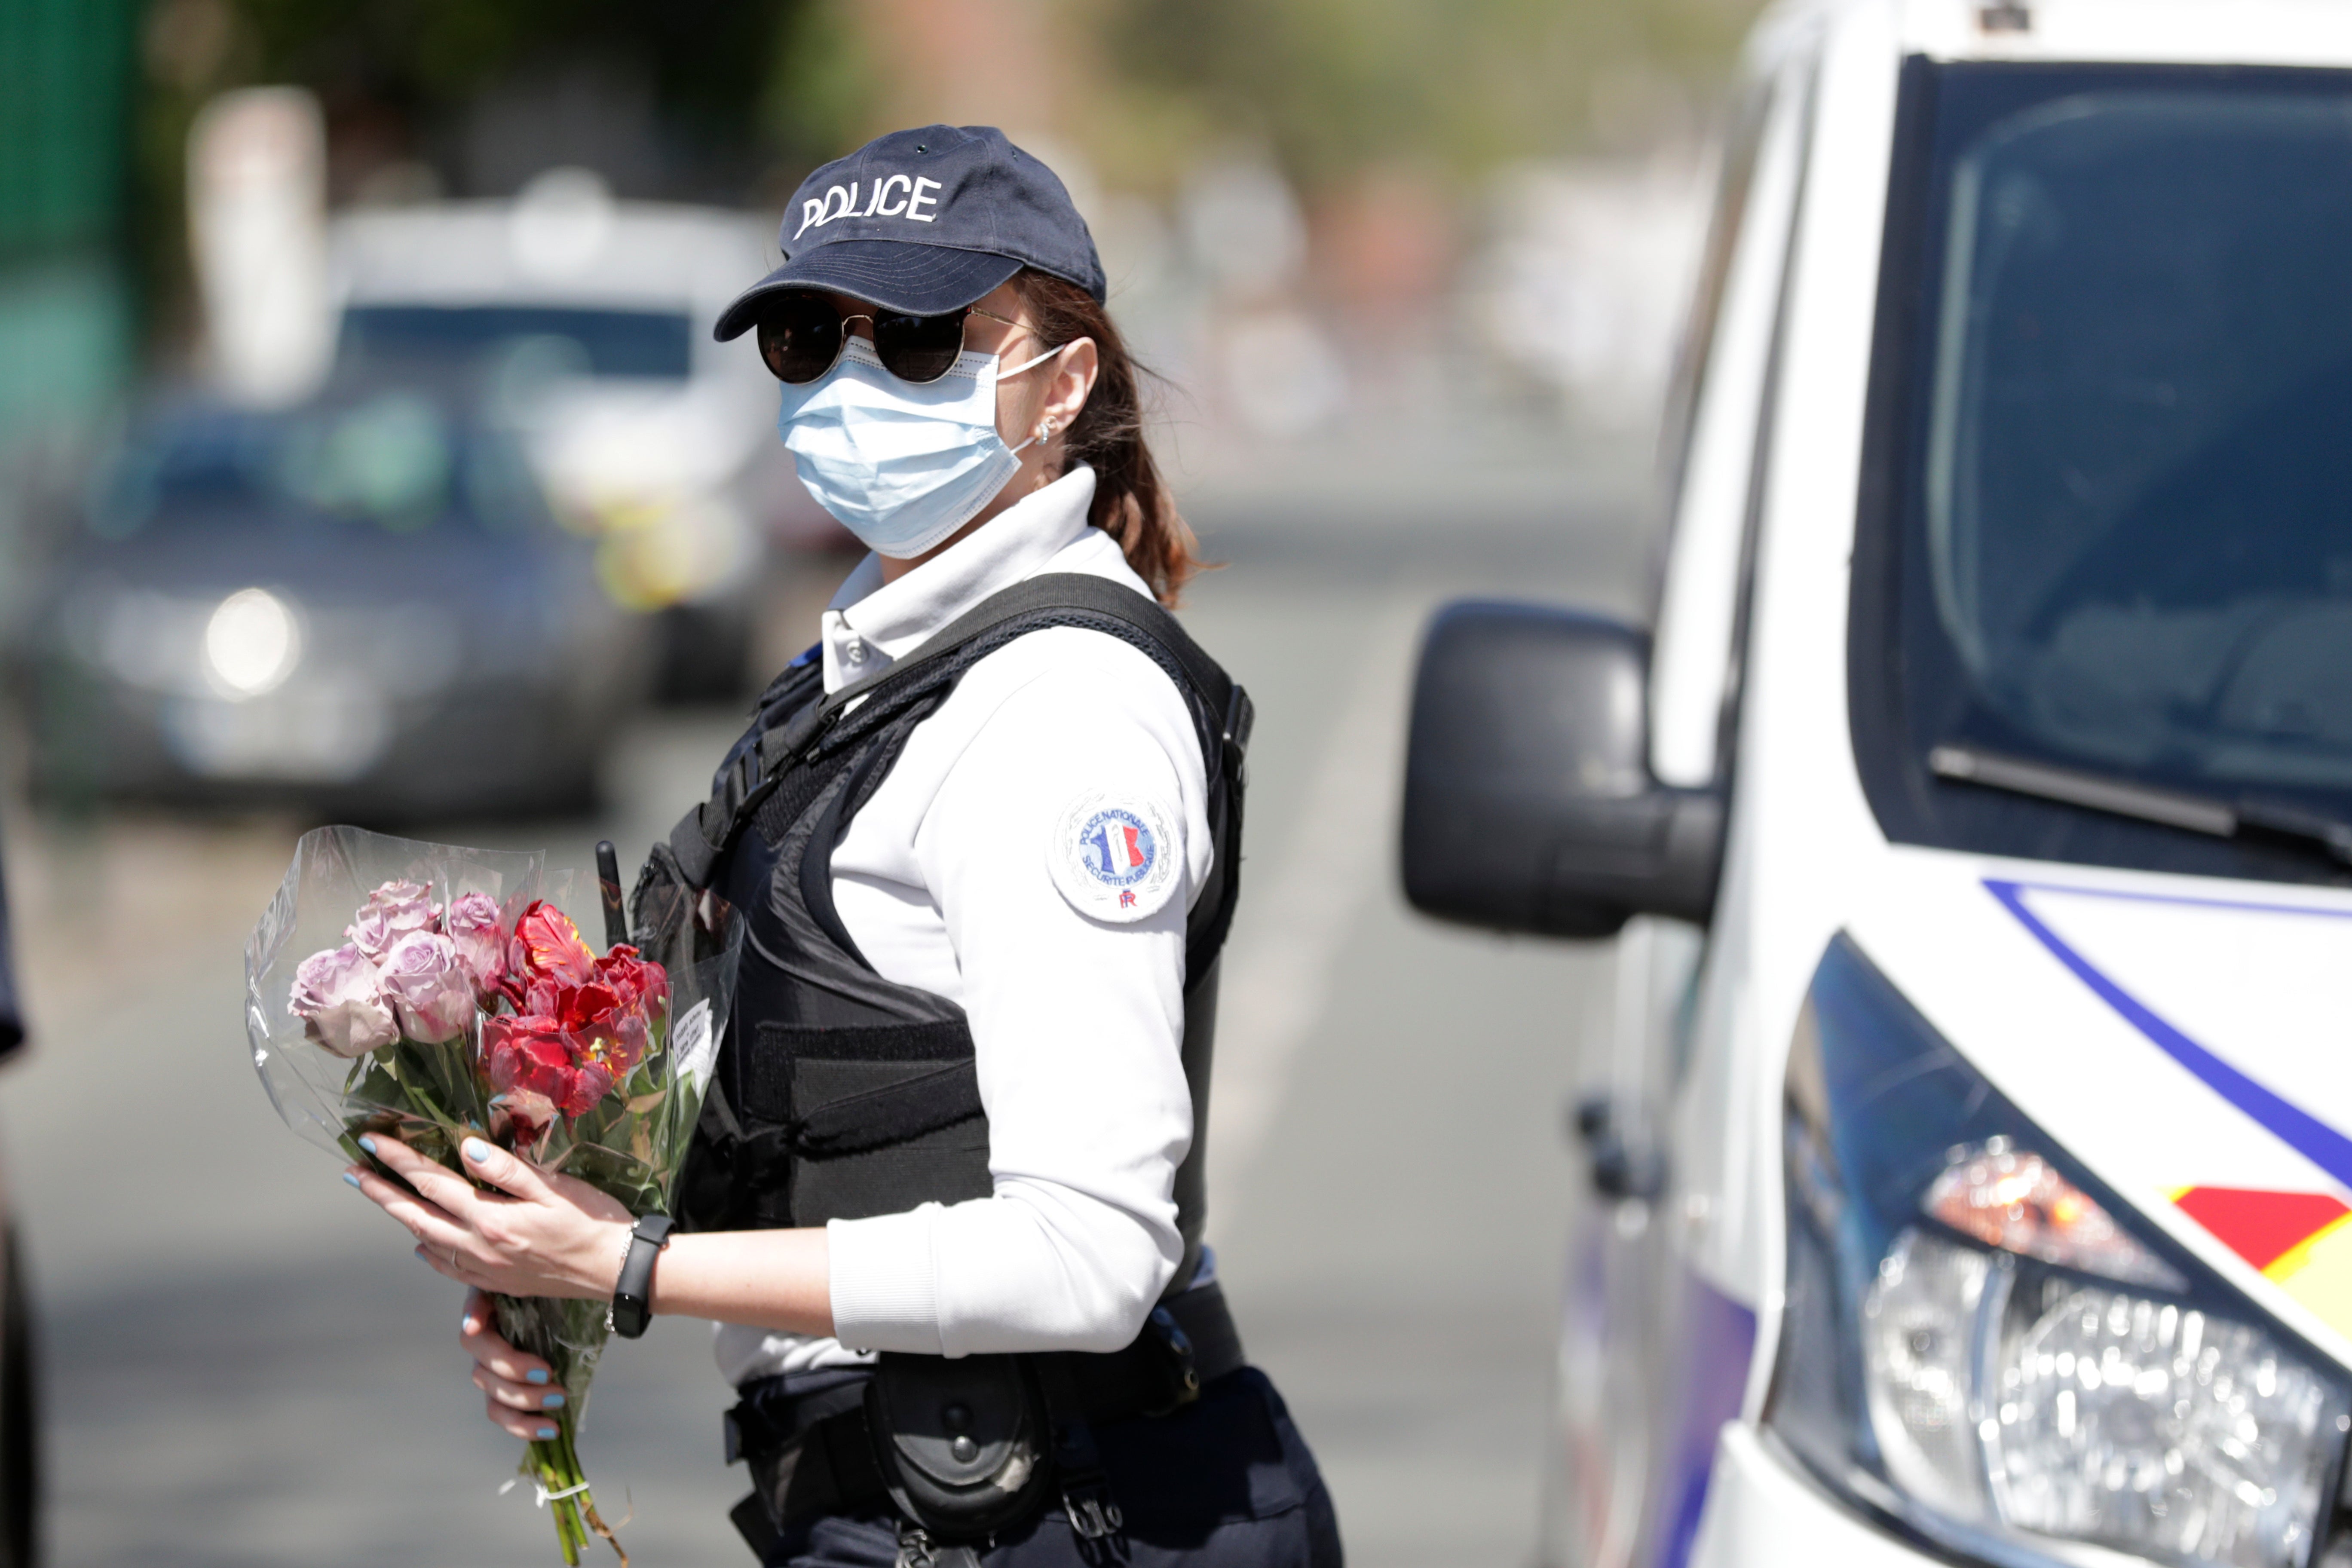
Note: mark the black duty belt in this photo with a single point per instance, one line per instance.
(811, 1450)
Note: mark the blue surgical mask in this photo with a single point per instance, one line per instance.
(902, 465)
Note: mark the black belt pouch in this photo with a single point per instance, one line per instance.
(965, 1446)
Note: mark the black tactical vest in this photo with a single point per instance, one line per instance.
(839, 1094)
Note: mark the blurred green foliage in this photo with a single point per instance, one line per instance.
(751, 93)
(1334, 85)
(66, 333)
(708, 61)
(65, 83)
(820, 96)
(397, 77)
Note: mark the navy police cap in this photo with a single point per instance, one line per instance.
(924, 221)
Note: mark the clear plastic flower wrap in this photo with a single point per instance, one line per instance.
(437, 993)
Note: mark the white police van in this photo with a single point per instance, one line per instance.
(1974, 1145)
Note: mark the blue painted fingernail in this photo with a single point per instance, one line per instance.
(551, 1402)
(546, 1431)
(367, 1144)
(351, 1178)
(478, 1152)
(536, 1374)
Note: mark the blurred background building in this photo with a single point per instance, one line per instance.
(364, 455)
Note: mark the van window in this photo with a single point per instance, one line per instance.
(2121, 516)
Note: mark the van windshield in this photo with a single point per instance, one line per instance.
(393, 462)
(2121, 447)
(644, 344)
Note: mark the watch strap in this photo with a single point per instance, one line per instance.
(632, 1292)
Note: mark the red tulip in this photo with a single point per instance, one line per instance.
(526, 1053)
(547, 946)
(539, 1057)
(588, 1007)
(582, 1023)
(633, 979)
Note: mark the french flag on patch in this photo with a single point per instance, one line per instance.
(1120, 847)
(1111, 860)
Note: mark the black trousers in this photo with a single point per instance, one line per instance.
(1225, 1482)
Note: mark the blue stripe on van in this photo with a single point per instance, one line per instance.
(2298, 1129)
(1718, 1343)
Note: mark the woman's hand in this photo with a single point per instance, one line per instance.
(539, 1235)
(518, 1390)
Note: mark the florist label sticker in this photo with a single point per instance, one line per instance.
(692, 1045)
(1114, 857)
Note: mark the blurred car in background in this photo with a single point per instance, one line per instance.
(592, 319)
(362, 604)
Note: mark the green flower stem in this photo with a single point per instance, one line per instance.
(554, 1464)
(567, 1335)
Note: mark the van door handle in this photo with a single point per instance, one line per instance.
(1622, 1167)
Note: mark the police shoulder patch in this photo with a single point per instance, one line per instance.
(1113, 856)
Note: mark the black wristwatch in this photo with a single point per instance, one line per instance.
(633, 1293)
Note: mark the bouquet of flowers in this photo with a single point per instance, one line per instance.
(438, 993)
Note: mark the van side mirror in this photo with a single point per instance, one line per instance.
(1529, 801)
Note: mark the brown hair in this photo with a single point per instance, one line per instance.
(1131, 500)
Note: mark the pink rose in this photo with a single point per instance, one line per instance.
(340, 998)
(391, 913)
(429, 987)
(472, 922)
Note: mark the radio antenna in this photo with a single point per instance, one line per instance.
(608, 883)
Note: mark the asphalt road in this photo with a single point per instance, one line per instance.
(245, 1365)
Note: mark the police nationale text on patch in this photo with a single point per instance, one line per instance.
(1113, 856)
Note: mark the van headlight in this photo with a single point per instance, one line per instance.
(1980, 1343)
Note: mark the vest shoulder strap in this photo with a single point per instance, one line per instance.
(1221, 708)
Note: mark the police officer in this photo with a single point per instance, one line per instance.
(981, 841)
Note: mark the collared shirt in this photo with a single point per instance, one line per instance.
(944, 882)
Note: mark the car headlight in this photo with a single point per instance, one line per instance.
(1981, 1344)
(252, 642)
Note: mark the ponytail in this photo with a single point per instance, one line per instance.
(1131, 500)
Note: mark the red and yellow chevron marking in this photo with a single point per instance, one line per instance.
(2302, 1241)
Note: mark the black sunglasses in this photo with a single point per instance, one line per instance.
(803, 335)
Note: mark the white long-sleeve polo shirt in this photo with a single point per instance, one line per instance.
(946, 881)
